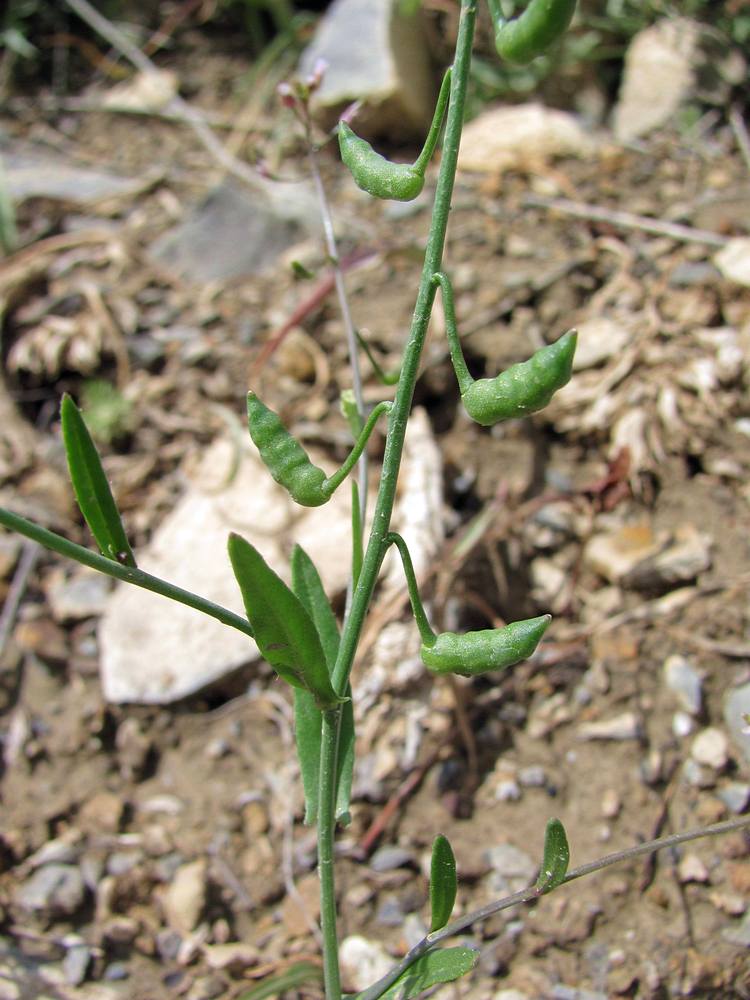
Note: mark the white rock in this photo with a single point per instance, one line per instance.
(658, 76)
(185, 897)
(156, 651)
(599, 339)
(363, 962)
(626, 726)
(520, 136)
(614, 554)
(711, 748)
(682, 724)
(146, 92)
(374, 53)
(692, 869)
(733, 260)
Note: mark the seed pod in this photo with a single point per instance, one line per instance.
(378, 176)
(374, 173)
(525, 37)
(284, 456)
(474, 653)
(523, 388)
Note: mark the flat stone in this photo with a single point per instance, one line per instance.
(735, 795)
(692, 869)
(626, 726)
(614, 554)
(512, 868)
(684, 681)
(733, 261)
(157, 651)
(736, 708)
(374, 53)
(388, 858)
(235, 231)
(185, 897)
(234, 955)
(55, 889)
(520, 136)
(685, 558)
(82, 594)
(658, 76)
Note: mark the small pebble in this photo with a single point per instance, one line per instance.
(684, 681)
(626, 726)
(390, 857)
(692, 869)
(735, 796)
(55, 889)
(390, 913)
(682, 724)
(736, 707)
(711, 748)
(185, 897)
(363, 961)
(116, 971)
(76, 964)
(731, 903)
(611, 804)
(533, 776)
(697, 776)
(507, 791)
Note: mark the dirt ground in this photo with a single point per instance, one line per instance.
(644, 459)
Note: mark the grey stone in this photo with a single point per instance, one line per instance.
(735, 796)
(56, 889)
(711, 748)
(390, 912)
(736, 707)
(76, 963)
(387, 858)
(684, 681)
(740, 933)
(512, 868)
(376, 54)
(532, 776)
(235, 231)
(82, 595)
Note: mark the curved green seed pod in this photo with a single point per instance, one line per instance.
(284, 456)
(525, 37)
(474, 653)
(377, 175)
(374, 173)
(289, 463)
(523, 388)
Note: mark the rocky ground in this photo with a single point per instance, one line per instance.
(158, 850)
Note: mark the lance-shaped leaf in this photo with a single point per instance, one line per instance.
(91, 487)
(443, 883)
(284, 631)
(443, 966)
(555, 858)
(308, 587)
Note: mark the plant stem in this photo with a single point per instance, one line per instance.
(387, 490)
(130, 574)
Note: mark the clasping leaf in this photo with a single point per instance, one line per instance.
(443, 883)
(442, 966)
(91, 488)
(284, 631)
(555, 858)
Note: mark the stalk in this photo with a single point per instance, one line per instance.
(378, 541)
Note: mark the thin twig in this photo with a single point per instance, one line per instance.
(29, 555)
(535, 891)
(626, 220)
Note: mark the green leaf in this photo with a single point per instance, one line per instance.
(284, 631)
(435, 967)
(308, 587)
(91, 487)
(556, 857)
(299, 974)
(443, 883)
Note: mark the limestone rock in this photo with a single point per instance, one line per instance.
(374, 53)
(658, 78)
(520, 136)
(156, 651)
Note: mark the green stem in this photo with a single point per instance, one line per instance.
(387, 490)
(425, 631)
(333, 482)
(421, 162)
(451, 330)
(130, 574)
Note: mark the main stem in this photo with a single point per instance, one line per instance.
(377, 543)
